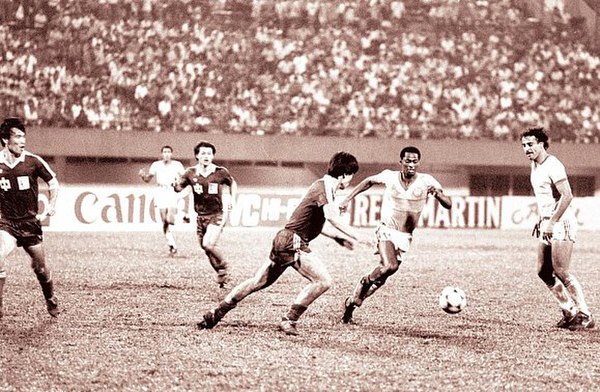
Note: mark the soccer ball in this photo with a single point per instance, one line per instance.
(452, 299)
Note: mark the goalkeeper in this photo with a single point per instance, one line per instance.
(291, 246)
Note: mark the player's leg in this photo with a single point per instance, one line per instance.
(546, 273)
(561, 262)
(7, 244)
(265, 276)
(38, 264)
(389, 264)
(168, 219)
(215, 256)
(312, 268)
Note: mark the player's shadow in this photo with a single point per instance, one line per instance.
(14, 334)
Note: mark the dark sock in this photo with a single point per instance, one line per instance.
(47, 285)
(295, 312)
(223, 308)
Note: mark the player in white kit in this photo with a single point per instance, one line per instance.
(166, 172)
(556, 229)
(404, 198)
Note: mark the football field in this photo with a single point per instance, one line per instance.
(130, 312)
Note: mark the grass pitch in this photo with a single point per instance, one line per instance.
(130, 312)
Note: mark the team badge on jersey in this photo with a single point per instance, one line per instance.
(23, 183)
(213, 188)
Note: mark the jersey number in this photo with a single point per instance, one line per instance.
(4, 184)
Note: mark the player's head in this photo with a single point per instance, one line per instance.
(410, 149)
(343, 166)
(205, 152)
(410, 158)
(10, 126)
(166, 152)
(539, 134)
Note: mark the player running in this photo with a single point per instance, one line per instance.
(290, 246)
(166, 171)
(557, 225)
(404, 197)
(19, 222)
(214, 192)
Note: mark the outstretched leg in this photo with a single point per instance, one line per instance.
(372, 282)
(265, 276)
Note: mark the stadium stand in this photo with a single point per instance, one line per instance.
(426, 69)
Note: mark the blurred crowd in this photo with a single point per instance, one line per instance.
(370, 68)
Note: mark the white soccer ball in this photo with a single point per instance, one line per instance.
(452, 299)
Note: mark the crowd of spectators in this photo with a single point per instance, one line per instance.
(382, 68)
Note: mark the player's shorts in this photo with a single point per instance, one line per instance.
(286, 248)
(400, 239)
(27, 232)
(203, 221)
(564, 230)
(166, 197)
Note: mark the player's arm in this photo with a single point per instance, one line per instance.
(361, 187)
(145, 176)
(53, 187)
(233, 189)
(439, 195)
(332, 214)
(180, 184)
(566, 196)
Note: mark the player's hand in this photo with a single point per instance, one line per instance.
(433, 190)
(344, 242)
(548, 229)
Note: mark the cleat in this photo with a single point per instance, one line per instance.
(348, 310)
(186, 219)
(172, 250)
(582, 321)
(288, 326)
(209, 321)
(567, 319)
(222, 279)
(52, 306)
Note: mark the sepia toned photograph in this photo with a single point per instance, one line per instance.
(299, 195)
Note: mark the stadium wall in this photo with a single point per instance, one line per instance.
(91, 156)
(102, 190)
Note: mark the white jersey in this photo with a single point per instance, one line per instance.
(397, 201)
(165, 175)
(543, 179)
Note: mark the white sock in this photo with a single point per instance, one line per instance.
(170, 239)
(565, 301)
(576, 291)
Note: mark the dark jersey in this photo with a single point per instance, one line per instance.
(207, 190)
(19, 185)
(308, 218)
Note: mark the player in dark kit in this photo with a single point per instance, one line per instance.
(291, 246)
(19, 223)
(211, 203)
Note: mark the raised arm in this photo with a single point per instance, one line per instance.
(361, 187)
